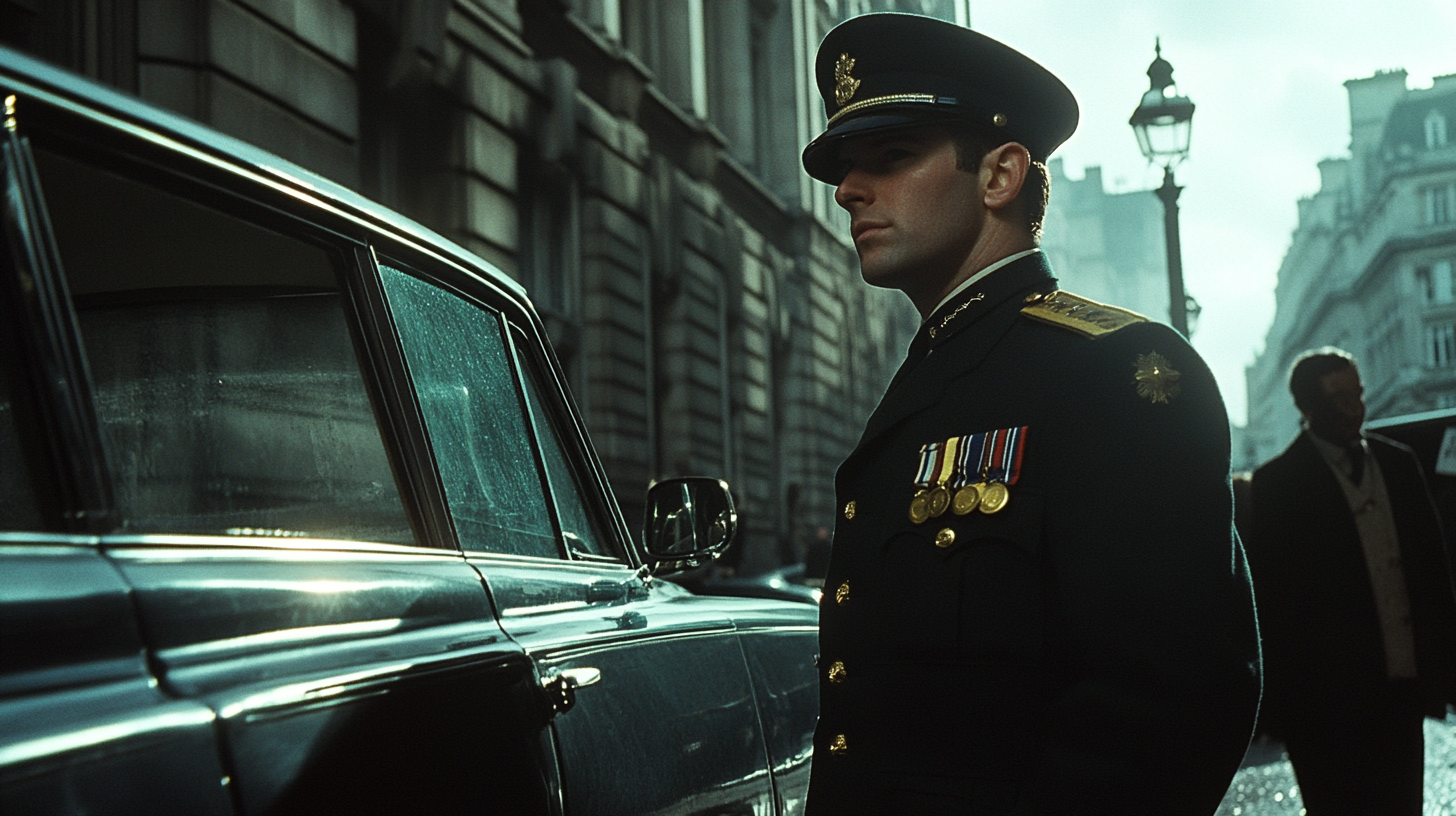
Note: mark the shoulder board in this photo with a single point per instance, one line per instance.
(1086, 317)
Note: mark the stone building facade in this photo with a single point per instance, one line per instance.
(1106, 246)
(634, 163)
(1369, 267)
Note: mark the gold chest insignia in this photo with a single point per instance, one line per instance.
(844, 84)
(1157, 380)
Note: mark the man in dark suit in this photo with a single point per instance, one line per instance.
(1355, 601)
(1035, 602)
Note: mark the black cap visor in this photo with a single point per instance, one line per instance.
(821, 157)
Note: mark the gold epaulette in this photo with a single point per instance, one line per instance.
(1086, 317)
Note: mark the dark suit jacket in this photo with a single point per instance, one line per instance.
(1089, 649)
(1323, 650)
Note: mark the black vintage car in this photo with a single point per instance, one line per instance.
(1427, 434)
(296, 515)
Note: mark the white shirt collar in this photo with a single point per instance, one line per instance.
(981, 275)
(1337, 455)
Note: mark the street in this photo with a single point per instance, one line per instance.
(1265, 785)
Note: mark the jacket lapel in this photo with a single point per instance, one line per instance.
(966, 330)
(1323, 487)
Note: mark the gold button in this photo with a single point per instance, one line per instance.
(837, 672)
(849, 510)
(842, 593)
(999, 120)
(839, 746)
(945, 538)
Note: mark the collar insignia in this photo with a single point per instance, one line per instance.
(935, 330)
(844, 84)
(1156, 378)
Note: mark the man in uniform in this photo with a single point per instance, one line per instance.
(1355, 598)
(1035, 602)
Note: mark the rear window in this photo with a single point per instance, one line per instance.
(227, 384)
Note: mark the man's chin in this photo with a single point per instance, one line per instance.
(877, 275)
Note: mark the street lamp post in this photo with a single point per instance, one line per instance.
(1163, 123)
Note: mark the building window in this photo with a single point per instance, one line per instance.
(1440, 204)
(1440, 345)
(1435, 130)
(603, 15)
(551, 245)
(671, 37)
(1435, 282)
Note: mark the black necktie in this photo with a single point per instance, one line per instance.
(1357, 462)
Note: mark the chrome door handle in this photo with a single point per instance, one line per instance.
(561, 687)
(586, 676)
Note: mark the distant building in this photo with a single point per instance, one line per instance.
(1106, 246)
(635, 163)
(1369, 267)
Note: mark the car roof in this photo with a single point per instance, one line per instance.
(1440, 415)
(59, 86)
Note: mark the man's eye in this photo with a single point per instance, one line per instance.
(895, 154)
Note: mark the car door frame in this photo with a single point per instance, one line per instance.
(566, 632)
(82, 721)
(213, 178)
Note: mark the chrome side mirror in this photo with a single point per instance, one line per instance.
(688, 520)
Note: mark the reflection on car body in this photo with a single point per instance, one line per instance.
(785, 583)
(296, 515)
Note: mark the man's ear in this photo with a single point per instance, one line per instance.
(1004, 169)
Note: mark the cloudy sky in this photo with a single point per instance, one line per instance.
(1266, 77)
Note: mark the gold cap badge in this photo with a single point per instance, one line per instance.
(837, 672)
(1157, 380)
(844, 84)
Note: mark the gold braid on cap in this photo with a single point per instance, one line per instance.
(891, 99)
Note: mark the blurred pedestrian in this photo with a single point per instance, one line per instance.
(1035, 602)
(1355, 601)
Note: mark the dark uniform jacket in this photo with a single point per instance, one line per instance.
(1089, 649)
(1323, 651)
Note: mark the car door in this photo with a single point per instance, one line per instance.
(347, 658)
(83, 725)
(657, 712)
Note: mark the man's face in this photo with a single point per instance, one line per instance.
(1339, 417)
(914, 216)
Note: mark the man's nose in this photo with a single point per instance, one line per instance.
(851, 189)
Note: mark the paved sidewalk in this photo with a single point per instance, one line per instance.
(1265, 785)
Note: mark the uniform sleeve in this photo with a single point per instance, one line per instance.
(1151, 623)
(1268, 546)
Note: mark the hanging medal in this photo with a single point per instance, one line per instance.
(939, 498)
(1001, 464)
(929, 464)
(968, 494)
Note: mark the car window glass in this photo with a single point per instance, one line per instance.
(467, 389)
(580, 527)
(18, 507)
(227, 387)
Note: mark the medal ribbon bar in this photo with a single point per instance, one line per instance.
(929, 463)
(962, 460)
